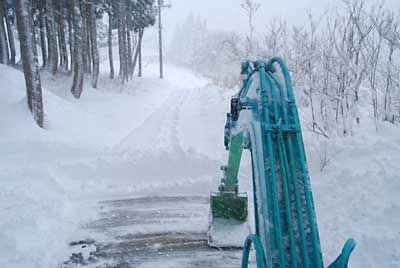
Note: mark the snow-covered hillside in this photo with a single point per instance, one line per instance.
(164, 137)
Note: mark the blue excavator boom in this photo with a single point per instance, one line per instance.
(264, 119)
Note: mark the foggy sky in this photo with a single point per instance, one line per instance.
(228, 15)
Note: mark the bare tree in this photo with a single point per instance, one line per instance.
(276, 39)
(389, 28)
(373, 54)
(250, 7)
(324, 154)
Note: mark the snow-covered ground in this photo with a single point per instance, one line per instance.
(154, 137)
(144, 138)
(356, 195)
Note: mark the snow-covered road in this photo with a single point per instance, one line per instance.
(170, 155)
(169, 140)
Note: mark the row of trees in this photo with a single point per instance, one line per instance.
(345, 64)
(62, 36)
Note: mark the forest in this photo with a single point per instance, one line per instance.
(62, 37)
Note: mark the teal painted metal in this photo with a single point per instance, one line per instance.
(276, 212)
(304, 170)
(258, 247)
(343, 259)
(228, 203)
(228, 195)
(265, 116)
(235, 156)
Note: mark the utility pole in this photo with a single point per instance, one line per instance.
(161, 5)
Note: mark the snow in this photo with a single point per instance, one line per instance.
(356, 195)
(32, 203)
(51, 178)
(154, 137)
(225, 233)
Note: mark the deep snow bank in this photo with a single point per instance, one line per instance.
(33, 206)
(356, 193)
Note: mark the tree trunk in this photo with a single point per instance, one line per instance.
(110, 46)
(42, 30)
(93, 40)
(387, 100)
(62, 39)
(128, 38)
(85, 38)
(135, 59)
(140, 52)
(133, 54)
(10, 41)
(64, 45)
(71, 35)
(120, 39)
(3, 40)
(88, 37)
(123, 57)
(29, 60)
(77, 84)
(61, 60)
(51, 37)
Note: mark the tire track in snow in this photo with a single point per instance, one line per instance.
(152, 159)
(159, 130)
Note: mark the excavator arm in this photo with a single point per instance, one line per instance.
(264, 119)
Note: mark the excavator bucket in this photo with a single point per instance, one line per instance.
(229, 206)
(228, 224)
